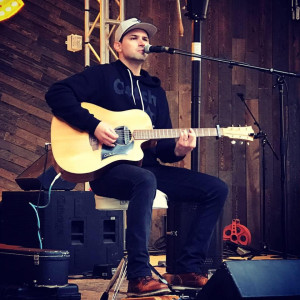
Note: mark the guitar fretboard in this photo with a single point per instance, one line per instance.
(172, 133)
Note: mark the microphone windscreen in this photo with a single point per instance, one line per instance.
(147, 48)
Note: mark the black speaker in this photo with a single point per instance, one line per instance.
(254, 279)
(180, 218)
(41, 174)
(70, 222)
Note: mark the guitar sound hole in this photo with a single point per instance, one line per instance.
(124, 134)
(93, 142)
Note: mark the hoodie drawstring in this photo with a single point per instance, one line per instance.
(141, 97)
(137, 83)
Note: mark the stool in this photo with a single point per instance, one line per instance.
(106, 203)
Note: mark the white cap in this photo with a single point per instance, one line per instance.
(131, 24)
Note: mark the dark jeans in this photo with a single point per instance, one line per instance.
(129, 182)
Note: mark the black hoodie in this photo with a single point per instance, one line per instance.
(114, 87)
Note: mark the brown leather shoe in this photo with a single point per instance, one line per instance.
(146, 286)
(191, 280)
(169, 278)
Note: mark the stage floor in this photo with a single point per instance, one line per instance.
(92, 289)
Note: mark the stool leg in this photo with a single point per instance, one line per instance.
(122, 276)
(113, 279)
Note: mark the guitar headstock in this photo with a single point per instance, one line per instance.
(245, 133)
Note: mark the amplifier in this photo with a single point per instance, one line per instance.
(179, 220)
(70, 222)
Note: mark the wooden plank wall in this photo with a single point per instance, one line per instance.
(33, 56)
(259, 32)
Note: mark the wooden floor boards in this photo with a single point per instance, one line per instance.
(92, 289)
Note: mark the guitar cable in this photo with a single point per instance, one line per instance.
(37, 207)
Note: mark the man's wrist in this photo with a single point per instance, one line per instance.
(178, 154)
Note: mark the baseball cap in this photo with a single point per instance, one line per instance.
(134, 23)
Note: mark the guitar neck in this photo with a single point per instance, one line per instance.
(172, 133)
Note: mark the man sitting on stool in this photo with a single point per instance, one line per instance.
(124, 85)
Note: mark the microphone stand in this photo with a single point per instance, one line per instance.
(196, 92)
(233, 63)
(280, 82)
(264, 141)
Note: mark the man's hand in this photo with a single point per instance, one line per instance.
(106, 134)
(186, 142)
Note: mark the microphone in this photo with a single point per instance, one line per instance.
(158, 49)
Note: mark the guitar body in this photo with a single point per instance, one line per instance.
(80, 157)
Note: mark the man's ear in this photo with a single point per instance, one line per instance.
(118, 46)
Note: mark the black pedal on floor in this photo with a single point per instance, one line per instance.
(186, 293)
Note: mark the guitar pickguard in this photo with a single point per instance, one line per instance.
(117, 150)
(123, 145)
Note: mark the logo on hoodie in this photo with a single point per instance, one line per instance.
(149, 100)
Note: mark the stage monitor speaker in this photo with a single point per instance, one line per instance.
(70, 222)
(39, 175)
(253, 280)
(180, 218)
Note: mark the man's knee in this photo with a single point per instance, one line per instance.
(223, 187)
(222, 190)
(147, 178)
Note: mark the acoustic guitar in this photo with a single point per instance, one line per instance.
(80, 157)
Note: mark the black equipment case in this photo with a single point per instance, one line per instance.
(37, 274)
(33, 266)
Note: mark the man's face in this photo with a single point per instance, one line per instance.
(132, 45)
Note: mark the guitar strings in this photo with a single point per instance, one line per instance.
(159, 133)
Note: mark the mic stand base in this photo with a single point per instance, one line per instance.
(249, 252)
